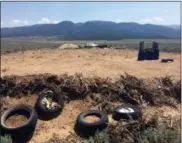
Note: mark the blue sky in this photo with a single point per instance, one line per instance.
(28, 13)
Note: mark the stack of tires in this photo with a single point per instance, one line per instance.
(155, 48)
(149, 54)
(141, 53)
(156, 54)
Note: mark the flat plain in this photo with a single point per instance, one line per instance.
(90, 62)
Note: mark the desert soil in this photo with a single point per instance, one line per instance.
(90, 62)
(15, 121)
(91, 119)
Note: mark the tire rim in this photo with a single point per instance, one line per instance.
(126, 110)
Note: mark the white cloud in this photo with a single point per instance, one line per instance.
(118, 20)
(152, 20)
(158, 19)
(2, 23)
(44, 20)
(16, 22)
(25, 22)
(55, 22)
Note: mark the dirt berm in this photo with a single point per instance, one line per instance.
(157, 95)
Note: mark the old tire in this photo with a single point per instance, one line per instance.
(24, 132)
(127, 112)
(46, 114)
(87, 129)
(167, 60)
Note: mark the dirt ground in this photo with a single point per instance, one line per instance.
(90, 62)
(16, 121)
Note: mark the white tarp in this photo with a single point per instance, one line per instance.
(91, 44)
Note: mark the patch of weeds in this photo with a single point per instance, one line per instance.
(99, 137)
(6, 139)
(159, 130)
(156, 130)
(123, 132)
(162, 134)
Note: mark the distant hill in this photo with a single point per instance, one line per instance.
(177, 27)
(95, 30)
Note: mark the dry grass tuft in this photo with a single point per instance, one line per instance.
(5, 69)
(128, 89)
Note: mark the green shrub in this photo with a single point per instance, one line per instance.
(99, 137)
(162, 134)
(6, 139)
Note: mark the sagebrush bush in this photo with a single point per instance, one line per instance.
(99, 137)
(6, 139)
(160, 135)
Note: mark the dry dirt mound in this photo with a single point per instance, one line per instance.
(68, 46)
(155, 92)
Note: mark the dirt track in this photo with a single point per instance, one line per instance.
(90, 62)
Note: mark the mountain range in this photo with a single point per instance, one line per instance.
(95, 30)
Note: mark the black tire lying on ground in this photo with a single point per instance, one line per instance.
(167, 60)
(127, 112)
(86, 129)
(44, 113)
(24, 132)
